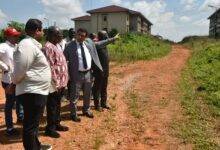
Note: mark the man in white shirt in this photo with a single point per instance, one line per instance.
(6, 64)
(67, 40)
(32, 76)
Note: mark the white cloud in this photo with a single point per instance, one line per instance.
(188, 4)
(61, 11)
(3, 19)
(188, 1)
(155, 11)
(201, 23)
(205, 5)
(116, 1)
(185, 19)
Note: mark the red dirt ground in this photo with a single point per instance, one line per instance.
(155, 85)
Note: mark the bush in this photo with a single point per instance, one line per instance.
(113, 32)
(138, 47)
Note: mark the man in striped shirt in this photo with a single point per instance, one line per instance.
(58, 66)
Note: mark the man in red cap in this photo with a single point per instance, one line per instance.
(6, 64)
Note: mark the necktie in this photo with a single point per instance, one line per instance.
(83, 56)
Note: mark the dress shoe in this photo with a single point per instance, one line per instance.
(98, 108)
(12, 132)
(52, 133)
(61, 128)
(88, 114)
(19, 121)
(45, 147)
(76, 119)
(105, 107)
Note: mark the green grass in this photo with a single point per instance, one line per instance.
(200, 85)
(133, 47)
(133, 104)
(98, 141)
(205, 67)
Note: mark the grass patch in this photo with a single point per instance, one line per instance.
(98, 141)
(205, 69)
(133, 104)
(133, 47)
(200, 85)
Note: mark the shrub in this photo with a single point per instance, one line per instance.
(113, 32)
(138, 47)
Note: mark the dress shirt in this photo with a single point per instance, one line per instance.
(87, 55)
(6, 61)
(31, 70)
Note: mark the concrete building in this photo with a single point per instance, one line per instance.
(214, 27)
(114, 17)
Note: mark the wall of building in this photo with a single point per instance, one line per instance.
(119, 21)
(214, 27)
(83, 24)
(133, 23)
(139, 25)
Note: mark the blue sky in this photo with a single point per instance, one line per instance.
(173, 19)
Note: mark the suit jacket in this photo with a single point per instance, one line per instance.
(71, 55)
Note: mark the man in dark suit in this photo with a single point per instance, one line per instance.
(99, 89)
(80, 55)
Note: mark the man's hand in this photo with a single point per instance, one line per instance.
(117, 36)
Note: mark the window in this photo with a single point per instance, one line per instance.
(104, 17)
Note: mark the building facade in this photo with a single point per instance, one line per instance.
(114, 17)
(214, 27)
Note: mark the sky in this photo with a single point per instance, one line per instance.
(172, 19)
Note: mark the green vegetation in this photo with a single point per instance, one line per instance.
(201, 94)
(133, 47)
(98, 141)
(133, 104)
(205, 66)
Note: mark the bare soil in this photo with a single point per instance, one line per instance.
(154, 86)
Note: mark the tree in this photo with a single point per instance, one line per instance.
(17, 25)
(1, 36)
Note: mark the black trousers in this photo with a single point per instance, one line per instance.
(53, 110)
(33, 109)
(99, 88)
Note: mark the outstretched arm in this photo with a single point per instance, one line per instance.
(104, 43)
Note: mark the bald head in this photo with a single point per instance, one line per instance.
(102, 35)
(54, 35)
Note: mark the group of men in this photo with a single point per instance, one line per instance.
(35, 76)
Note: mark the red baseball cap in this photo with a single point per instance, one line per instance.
(11, 32)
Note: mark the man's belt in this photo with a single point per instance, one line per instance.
(86, 71)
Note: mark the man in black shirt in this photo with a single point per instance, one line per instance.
(99, 89)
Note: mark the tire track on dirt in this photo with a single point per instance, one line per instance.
(156, 87)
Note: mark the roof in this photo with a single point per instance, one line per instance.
(108, 9)
(217, 11)
(114, 8)
(82, 18)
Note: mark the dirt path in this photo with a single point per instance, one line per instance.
(144, 101)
